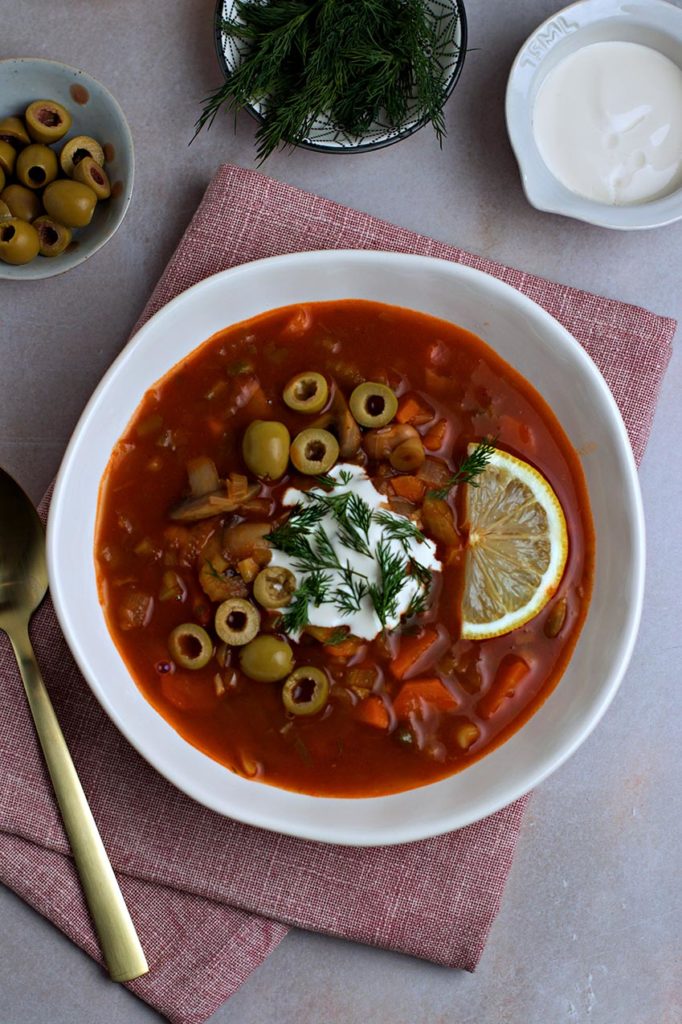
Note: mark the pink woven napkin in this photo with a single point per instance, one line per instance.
(211, 898)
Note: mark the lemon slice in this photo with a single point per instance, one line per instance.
(518, 545)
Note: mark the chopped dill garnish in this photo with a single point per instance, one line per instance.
(308, 538)
(385, 595)
(469, 468)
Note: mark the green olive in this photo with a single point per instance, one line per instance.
(314, 451)
(265, 447)
(19, 242)
(2, 179)
(373, 405)
(307, 392)
(54, 237)
(190, 646)
(408, 456)
(89, 173)
(70, 203)
(13, 130)
(36, 166)
(267, 659)
(4, 211)
(76, 149)
(274, 587)
(8, 155)
(306, 691)
(237, 621)
(22, 202)
(47, 121)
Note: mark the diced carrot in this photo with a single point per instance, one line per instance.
(434, 438)
(299, 324)
(372, 711)
(414, 409)
(511, 671)
(345, 649)
(410, 487)
(412, 649)
(418, 693)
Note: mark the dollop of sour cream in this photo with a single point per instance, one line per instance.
(363, 622)
(608, 123)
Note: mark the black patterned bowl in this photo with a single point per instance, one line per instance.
(325, 137)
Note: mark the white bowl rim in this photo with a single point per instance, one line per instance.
(44, 270)
(533, 170)
(326, 832)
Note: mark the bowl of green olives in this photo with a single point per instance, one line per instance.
(66, 167)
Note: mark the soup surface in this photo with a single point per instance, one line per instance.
(337, 667)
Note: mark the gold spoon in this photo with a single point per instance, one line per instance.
(23, 585)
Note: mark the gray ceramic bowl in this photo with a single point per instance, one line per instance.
(95, 112)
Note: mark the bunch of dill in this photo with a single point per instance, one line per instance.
(352, 61)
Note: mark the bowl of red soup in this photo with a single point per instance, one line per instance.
(349, 545)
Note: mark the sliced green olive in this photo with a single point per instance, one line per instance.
(36, 166)
(307, 392)
(76, 149)
(373, 405)
(8, 155)
(19, 242)
(190, 646)
(4, 210)
(274, 587)
(314, 451)
(22, 202)
(13, 130)
(237, 621)
(265, 447)
(89, 173)
(306, 691)
(54, 237)
(266, 659)
(47, 121)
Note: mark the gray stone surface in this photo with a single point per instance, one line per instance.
(589, 932)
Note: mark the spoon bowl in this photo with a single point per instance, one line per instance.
(23, 568)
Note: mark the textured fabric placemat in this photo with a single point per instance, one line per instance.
(210, 897)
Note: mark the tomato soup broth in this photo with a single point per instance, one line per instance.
(412, 705)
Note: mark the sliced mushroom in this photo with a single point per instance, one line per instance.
(213, 504)
(380, 443)
(340, 418)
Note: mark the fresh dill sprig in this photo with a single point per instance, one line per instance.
(353, 63)
(314, 590)
(330, 482)
(417, 604)
(385, 594)
(348, 597)
(467, 471)
(420, 573)
(401, 530)
(354, 521)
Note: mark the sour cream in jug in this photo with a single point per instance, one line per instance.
(608, 123)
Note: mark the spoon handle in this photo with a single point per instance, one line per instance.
(118, 939)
